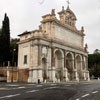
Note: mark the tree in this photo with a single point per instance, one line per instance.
(94, 64)
(5, 41)
(8, 47)
(94, 60)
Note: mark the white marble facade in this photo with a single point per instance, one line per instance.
(55, 52)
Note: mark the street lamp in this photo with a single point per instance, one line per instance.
(13, 52)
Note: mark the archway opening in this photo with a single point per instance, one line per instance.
(58, 65)
(44, 67)
(69, 65)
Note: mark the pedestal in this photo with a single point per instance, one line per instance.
(66, 74)
(53, 74)
(77, 76)
(30, 76)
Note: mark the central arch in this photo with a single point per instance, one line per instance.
(59, 64)
(58, 59)
(69, 65)
(44, 67)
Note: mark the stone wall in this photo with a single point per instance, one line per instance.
(17, 75)
(23, 75)
(3, 71)
(69, 37)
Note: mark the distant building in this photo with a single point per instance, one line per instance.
(55, 52)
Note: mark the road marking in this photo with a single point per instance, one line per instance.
(4, 89)
(30, 84)
(50, 88)
(12, 85)
(77, 99)
(39, 86)
(9, 96)
(85, 95)
(21, 87)
(94, 92)
(67, 85)
(32, 91)
(53, 84)
(85, 83)
(18, 88)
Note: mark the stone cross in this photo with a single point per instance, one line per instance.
(68, 2)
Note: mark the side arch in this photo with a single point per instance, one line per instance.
(59, 64)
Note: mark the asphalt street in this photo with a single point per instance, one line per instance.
(51, 91)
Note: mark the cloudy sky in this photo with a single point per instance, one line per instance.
(26, 15)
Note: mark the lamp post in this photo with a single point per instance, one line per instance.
(13, 52)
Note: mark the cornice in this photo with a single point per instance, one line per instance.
(24, 33)
(51, 41)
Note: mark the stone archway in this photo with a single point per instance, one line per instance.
(44, 67)
(59, 65)
(69, 65)
(79, 66)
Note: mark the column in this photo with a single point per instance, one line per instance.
(31, 55)
(84, 75)
(39, 54)
(88, 76)
(64, 59)
(86, 63)
(39, 74)
(30, 76)
(39, 71)
(66, 74)
(53, 74)
(52, 57)
(53, 64)
(8, 75)
(34, 74)
(74, 62)
(76, 73)
(77, 76)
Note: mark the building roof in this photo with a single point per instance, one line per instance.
(24, 33)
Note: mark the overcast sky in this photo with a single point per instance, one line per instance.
(26, 15)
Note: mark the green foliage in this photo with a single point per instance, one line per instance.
(8, 47)
(94, 64)
(5, 41)
(93, 60)
(96, 72)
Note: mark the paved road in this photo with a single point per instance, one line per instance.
(64, 91)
